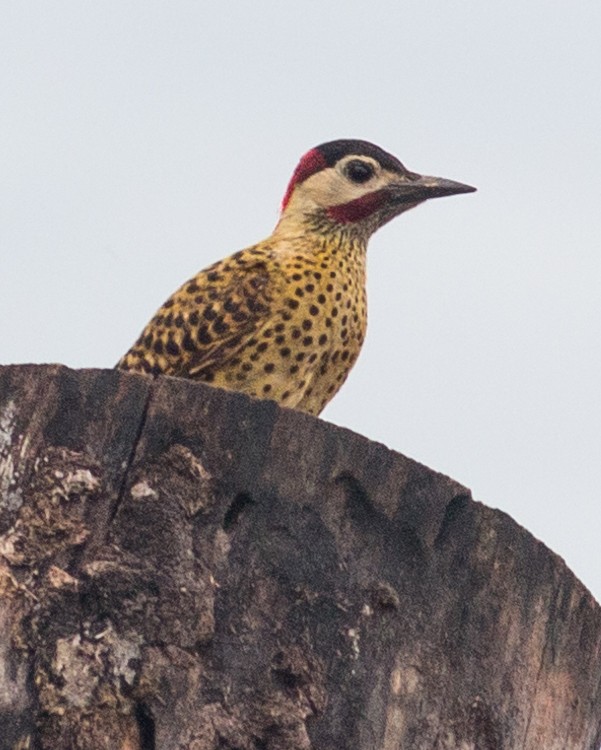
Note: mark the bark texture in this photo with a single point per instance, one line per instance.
(182, 567)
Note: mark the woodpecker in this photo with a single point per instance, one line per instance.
(285, 319)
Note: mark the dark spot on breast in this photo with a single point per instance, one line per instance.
(213, 276)
(193, 318)
(307, 325)
(209, 314)
(203, 335)
(295, 333)
(280, 339)
(321, 298)
(268, 333)
(262, 346)
(158, 346)
(292, 303)
(172, 348)
(179, 322)
(169, 303)
(309, 287)
(285, 351)
(220, 327)
(255, 306)
(188, 343)
(345, 355)
(269, 367)
(300, 356)
(266, 387)
(246, 366)
(296, 276)
(308, 340)
(192, 288)
(322, 339)
(230, 306)
(314, 310)
(233, 342)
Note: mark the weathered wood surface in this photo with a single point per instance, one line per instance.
(186, 568)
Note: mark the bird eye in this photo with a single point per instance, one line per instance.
(359, 171)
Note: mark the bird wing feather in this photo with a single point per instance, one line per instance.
(209, 319)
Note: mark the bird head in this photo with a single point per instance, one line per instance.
(356, 185)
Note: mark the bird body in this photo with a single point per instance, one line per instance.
(285, 319)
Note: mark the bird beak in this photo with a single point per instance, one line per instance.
(418, 188)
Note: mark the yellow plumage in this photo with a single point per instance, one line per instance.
(286, 318)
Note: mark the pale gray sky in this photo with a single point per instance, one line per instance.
(143, 140)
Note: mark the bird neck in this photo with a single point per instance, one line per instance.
(318, 226)
(334, 249)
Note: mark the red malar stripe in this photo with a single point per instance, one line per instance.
(358, 209)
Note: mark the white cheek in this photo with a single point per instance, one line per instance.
(333, 188)
(345, 191)
(330, 187)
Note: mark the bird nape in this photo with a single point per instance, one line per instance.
(285, 319)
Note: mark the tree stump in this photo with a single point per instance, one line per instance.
(182, 567)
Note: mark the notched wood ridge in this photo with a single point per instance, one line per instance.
(185, 568)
